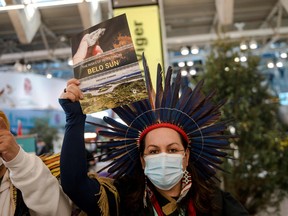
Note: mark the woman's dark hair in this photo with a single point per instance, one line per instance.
(201, 191)
(131, 196)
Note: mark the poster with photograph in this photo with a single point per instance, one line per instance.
(105, 62)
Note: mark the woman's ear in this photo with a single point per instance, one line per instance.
(142, 162)
(186, 158)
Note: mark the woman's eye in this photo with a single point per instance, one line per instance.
(153, 152)
(173, 151)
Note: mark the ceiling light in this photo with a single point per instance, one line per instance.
(243, 58)
(232, 129)
(253, 44)
(49, 76)
(70, 61)
(184, 51)
(270, 65)
(192, 72)
(190, 63)
(63, 38)
(184, 72)
(194, 50)
(181, 64)
(243, 46)
(237, 59)
(283, 55)
(279, 64)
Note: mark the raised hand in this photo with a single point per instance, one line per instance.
(8, 145)
(72, 91)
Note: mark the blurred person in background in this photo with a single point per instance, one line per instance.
(41, 147)
(27, 187)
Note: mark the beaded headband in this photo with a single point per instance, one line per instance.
(165, 125)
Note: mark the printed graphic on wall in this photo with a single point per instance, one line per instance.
(29, 91)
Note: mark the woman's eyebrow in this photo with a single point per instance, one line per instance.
(169, 145)
(152, 145)
(174, 143)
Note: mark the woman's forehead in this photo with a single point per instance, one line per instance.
(162, 136)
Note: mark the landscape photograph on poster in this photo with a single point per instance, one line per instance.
(105, 62)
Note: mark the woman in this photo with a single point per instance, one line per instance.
(163, 159)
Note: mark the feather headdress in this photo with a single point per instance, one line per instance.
(192, 114)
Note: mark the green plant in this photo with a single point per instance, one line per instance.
(44, 132)
(258, 175)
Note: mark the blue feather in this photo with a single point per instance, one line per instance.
(159, 87)
(149, 86)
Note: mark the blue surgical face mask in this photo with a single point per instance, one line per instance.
(164, 170)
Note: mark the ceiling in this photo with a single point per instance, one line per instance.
(45, 37)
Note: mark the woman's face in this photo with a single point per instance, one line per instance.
(164, 140)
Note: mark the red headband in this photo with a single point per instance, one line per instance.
(160, 125)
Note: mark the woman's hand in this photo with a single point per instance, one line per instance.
(72, 91)
(8, 145)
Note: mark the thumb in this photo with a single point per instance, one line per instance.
(3, 124)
